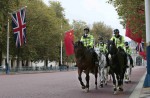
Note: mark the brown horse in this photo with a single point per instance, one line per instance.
(85, 63)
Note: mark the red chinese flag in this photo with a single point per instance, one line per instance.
(134, 36)
(68, 42)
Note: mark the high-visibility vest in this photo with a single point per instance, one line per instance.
(119, 41)
(128, 50)
(102, 47)
(88, 41)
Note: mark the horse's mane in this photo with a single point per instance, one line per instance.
(79, 49)
(82, 55)
(117, 58)
(112, 49)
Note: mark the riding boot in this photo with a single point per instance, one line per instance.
(107, 60)
(126, 60)
(96, 61)
(95, 58)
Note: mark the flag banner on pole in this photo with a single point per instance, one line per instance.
(134, 36)
(68, 42)
(140, 47)
(19, 26)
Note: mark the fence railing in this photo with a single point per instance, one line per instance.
(37, 69)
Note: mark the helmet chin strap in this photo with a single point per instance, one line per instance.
(85, 34)
(117, 36)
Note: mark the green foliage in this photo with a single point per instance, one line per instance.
(6, 6)
(78, 28)
(43, 29)
(102, 30)
(46, 26)
(57, 8)
(98, 29)
(131, 11)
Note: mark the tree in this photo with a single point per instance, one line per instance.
(102, 30)
(131, 11)
(62, 25)
(43, 31)
(78, 26)
(5, 7)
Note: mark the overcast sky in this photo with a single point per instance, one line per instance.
(92, 11)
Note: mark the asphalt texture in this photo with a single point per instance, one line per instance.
(62, 85)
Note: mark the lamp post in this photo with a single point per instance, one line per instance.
(147, 17)
(61, 45)
(7, 63)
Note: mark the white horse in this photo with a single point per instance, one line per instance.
(103, 71)
(129, 69)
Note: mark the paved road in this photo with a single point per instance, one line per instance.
(60, 85)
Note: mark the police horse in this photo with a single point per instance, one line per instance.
(117, 65)
(85, 63)
(103, 70)
(129, 69)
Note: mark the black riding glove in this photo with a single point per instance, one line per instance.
(88, 46)
(120, 48)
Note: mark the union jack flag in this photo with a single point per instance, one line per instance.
(140, 47)
(19, 26)
(140, 50)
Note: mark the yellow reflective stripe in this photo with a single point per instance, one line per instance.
(88, 41)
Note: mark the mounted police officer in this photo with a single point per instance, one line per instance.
(101, 45)
(119, 41)
(88, 41)
(128, 52)
(127, 48)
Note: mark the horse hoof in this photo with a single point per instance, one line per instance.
(83, 87)
(126, 82)
(101, 85)
(87, 90)
(115, 89)
(120, 89)
(115, 92)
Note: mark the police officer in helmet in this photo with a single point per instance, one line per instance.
(128, 52)
(88, 41)
(119, 41)
(101, 45)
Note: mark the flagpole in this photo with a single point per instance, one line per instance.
(61, 46)
(147, 17)
(7, 64)
(61, 53)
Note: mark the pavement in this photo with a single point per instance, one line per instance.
(140, 91)
(66, 85)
